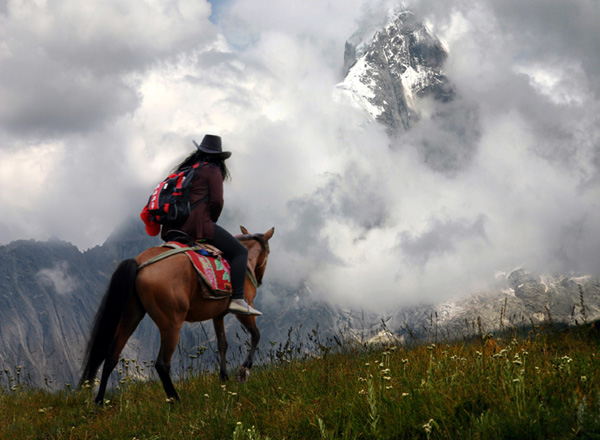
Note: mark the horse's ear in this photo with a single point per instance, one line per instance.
(267, 235)
(244, 230)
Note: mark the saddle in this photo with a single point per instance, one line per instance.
(212, 268)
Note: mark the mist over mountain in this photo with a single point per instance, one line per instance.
(397, 76)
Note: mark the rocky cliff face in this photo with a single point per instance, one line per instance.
(45, 305)
(49, 292)
(401, 64)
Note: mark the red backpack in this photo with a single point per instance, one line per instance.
(170, 200)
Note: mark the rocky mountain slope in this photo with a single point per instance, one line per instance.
(519, 299)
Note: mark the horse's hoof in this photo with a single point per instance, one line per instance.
(242, 375)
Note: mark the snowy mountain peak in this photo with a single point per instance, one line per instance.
(388, 73)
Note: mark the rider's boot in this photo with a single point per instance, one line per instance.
(241, 307)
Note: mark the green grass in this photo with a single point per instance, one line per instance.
(539, 386)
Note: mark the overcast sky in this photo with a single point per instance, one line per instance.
(98, 100)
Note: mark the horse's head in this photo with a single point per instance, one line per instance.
(258, 250)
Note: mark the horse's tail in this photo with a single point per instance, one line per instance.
(120, 291)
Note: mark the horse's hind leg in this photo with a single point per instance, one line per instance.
(134, 314)
(168, 342)
(250, 323)
(222, 346)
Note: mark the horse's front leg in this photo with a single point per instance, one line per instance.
(249, 322)
(222, 346)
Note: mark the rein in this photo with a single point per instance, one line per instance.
(250, 274)
(265, 246)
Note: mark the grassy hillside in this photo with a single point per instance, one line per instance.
(543, 385)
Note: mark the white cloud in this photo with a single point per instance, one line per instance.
(508, 176)
(64, 64)
(58, 278)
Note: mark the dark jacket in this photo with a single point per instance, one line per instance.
(207, 186)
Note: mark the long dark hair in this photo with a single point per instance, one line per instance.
(199, 156)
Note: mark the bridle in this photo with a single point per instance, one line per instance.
(265, 246)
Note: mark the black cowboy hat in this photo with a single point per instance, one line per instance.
(211, 144)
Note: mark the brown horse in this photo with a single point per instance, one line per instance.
(170, 293)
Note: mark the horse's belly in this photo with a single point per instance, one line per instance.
(208, 309)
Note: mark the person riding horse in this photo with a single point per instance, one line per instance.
(167, 289)
(207, 200)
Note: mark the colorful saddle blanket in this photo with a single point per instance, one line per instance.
(211, 266)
